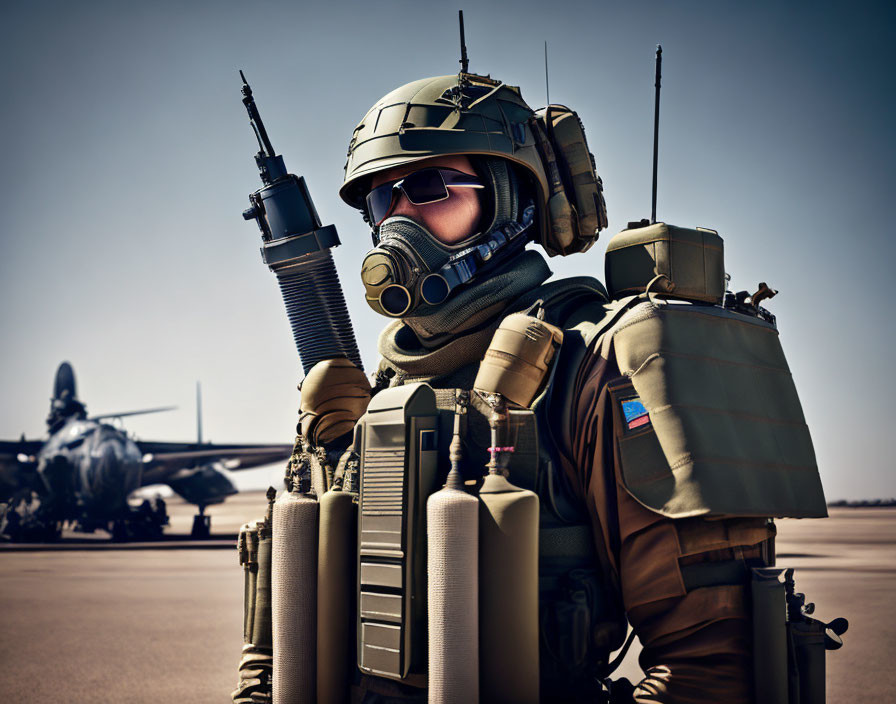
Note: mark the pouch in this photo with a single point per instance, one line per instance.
(690, 263)
(577, 211)
(714, 425)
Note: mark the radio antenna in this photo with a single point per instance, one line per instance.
(547, 86)
(656, 127)
(261, 134)
(464, 61)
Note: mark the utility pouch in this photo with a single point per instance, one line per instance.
(397, 441)
(577, 211)
(242, 547)
(256, 662)
(808, 642)
(689, 263)
(788, 646)
(714, 425)
(770, 662)
(261, 624)
(252, 578)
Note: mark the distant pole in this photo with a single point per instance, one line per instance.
(656, 127)
(198, 414)
(464, 61)
(547, 86)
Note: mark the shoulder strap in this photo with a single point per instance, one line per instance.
(563, 298)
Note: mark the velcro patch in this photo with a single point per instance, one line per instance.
(635, 414)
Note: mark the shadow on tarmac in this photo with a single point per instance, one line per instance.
(166, 542)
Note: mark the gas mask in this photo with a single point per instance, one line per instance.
(410, 271)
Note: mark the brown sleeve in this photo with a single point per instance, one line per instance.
(696, 644)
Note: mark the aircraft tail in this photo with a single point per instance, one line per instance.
(65, 403)
(64, 385)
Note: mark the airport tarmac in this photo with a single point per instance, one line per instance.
(165, 625)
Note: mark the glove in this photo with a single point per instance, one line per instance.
(335, 394)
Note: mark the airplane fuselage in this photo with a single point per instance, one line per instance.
(84, 472)
(89, 467)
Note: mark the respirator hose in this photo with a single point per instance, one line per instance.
(315, 306)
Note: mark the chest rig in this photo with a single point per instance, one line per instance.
(403, 447)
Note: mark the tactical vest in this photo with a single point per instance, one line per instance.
(693, 449)
(581, 618)
(706, 423)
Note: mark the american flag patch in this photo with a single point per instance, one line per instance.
(635, 413)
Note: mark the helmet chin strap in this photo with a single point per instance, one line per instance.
(462, 266)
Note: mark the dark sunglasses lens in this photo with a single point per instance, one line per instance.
(378, 202)
(425, 186)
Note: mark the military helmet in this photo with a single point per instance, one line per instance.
(477, 115)
(441, 116)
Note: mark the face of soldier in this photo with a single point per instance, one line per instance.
(451, 220)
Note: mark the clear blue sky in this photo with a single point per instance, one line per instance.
(127, 159)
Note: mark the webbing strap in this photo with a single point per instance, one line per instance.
(715, 574)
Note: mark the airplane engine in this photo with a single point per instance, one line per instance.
(204, 485)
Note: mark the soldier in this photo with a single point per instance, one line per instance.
(455, 176)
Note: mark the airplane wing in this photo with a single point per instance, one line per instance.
(17, 462)
(11, 449)
(163, 460)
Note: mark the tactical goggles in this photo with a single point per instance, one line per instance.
(420, 188)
